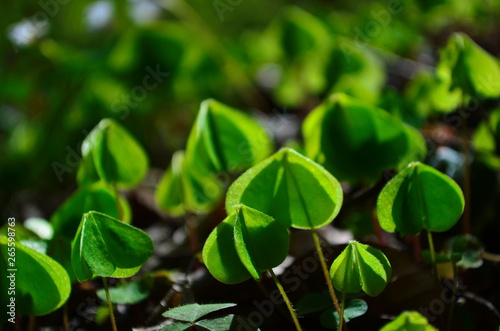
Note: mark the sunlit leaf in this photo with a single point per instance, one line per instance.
(291, 188)
(360, 267)
(117, 157)
(353, 308)
(244, 245)
(356, 141)
(106, 247)
(419, 197)
(409, 321)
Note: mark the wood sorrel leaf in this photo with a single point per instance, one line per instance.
(291, 188)
(409, 321)
(225, 139)
(97, 197)
(180, 191)
(194, 311)
(106, 247)
(356, 141)
(360, 267)
(244, 245)
(117, 157)
(472, 69)
(41, 284)
(419, 197)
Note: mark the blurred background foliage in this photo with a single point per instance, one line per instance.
(67, 64)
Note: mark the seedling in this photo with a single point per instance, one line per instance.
(222, 139)
(295, 191)
(360, 267)
(418, 198)
(106, 247)
(247, 243)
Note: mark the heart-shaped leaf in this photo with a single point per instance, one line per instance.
(360, 267)
(115, 155)
(224, 139)
(41, 284)
(291, 188)
(419, 197)
(473, 70)
(106, 247)
(195, 311)
(244, 245)
(409, 321)
(180, 191)
(97, 197)
(356, 141)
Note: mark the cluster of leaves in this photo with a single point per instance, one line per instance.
(358, 133)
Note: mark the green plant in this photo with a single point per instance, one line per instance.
(105, 247)
(409, 321)
(359, 267)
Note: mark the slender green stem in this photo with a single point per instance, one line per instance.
(341, 316)
(433, 254)
(110, 305)
(117, 201)
(287, 300)
(491, 257)
(452, 308)
(65, 317)
(325, 271)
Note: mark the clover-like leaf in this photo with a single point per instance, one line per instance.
(419, 197)
(409, 321)
(360, 267)
(41, 284)
(115, 155)
(356, 141)
(97, 197)
(106, 247)
(225, 139)
(193, 312)
(473, 70)
(291, 188)
(181, 191)
(247, 243)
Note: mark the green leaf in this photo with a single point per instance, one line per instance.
(170, 193)
(473, 70)
(224, 139)
(128, 293)
(106, 247)
(117, 157)
(354, 308)
(356, 141)
(95, 197)
(41, 295)
(409, 321)
(193, 312)
(419, 197)
(360, 267)
(244, 245)
(177, 327)
(289, 187)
